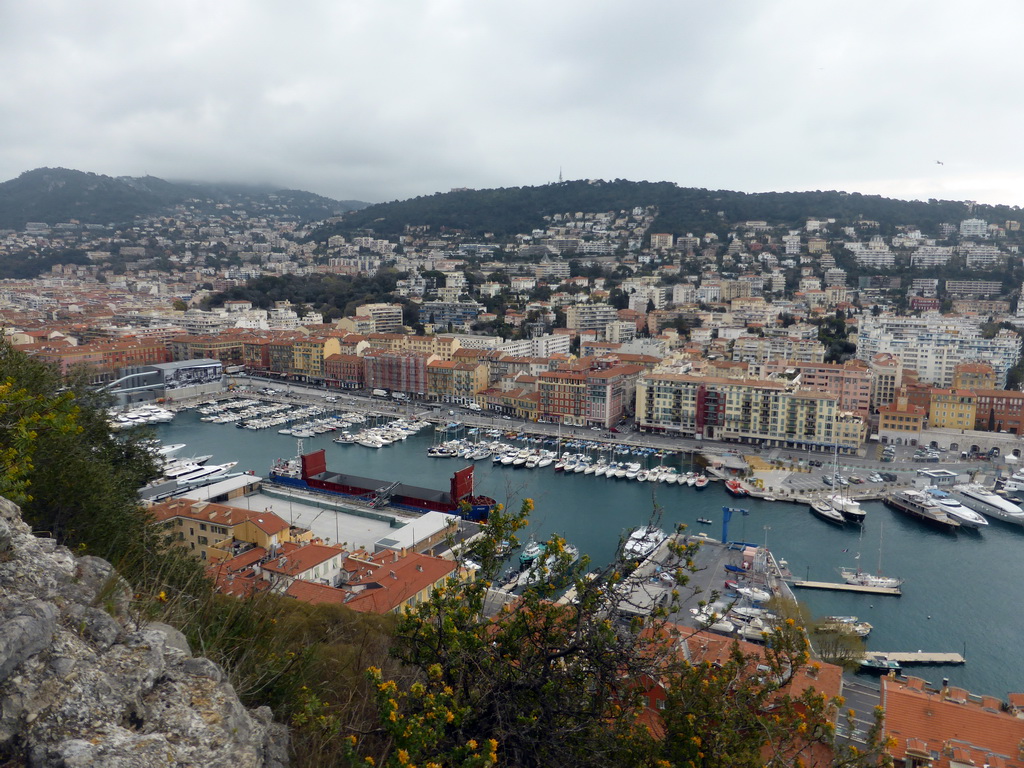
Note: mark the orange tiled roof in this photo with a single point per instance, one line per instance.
(218, 514)
(950, 724)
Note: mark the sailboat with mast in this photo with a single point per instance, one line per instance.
(864, 579)
(850, 509)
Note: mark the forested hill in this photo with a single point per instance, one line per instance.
(55, 195)
(513, 210)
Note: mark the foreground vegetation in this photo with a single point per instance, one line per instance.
(541, 683)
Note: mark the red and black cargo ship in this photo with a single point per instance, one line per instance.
(310, 472)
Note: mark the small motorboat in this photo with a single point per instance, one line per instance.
(704, 520)
(735, 487)
(755, 594)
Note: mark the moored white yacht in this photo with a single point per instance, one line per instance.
(982, 500)
(966, 516)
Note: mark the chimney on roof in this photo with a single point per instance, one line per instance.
(393, 575)
(395, 558)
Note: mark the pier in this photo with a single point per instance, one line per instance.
(920, 657)
(841, 587)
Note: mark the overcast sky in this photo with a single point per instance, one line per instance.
(387, 99)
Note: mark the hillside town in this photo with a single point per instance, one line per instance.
(805, 338)
(829, 340)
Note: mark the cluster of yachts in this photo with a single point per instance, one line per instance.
(381, 435)
(538, 565)
(188, 472)
(145, 414)
(960, 506)
(507, 455)
(738, 613)
(304, 421)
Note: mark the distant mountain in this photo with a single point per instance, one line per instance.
(55, 195)
(509, 211)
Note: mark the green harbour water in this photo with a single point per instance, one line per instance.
(960, 592)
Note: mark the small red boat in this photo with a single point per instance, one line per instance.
(735, 487)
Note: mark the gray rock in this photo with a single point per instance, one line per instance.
(80, 686)
(26, 628)
(95, 625)
(9, 510)
(6, 536)
(175, 639)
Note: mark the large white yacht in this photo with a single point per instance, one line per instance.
(982, 500)
(963, 514)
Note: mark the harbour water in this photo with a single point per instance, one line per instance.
(960, 593)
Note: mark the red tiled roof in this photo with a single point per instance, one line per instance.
(218, 514)
(293, 559)
(950, 724)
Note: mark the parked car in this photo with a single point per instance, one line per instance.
(889, 477)
(827, 481)
(856, 479)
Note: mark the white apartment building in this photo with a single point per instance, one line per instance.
(760, 349)
(589, 317)
(387, 318)
(933, 345)
(978, 255)
(931, 256)
(973, 228)
(540, 346)
(639, 298)
(874, 253)
(684, 293)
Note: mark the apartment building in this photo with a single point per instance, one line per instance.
(308, 355)
(590, 317)
(934, 345)
(772, 413)
(226, 347)
(381, 583)
(974, 376)
(999, 410)
(760, 349)
(562, 397)
(385, 318)
(344, 371)
(610, 394)
(213, 532)
(849, 381)
(952, 409)
(886, 378)
(397, 371)
(901, 422)
(972, 289)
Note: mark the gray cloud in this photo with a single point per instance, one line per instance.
(388, 100)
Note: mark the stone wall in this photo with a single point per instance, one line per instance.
(82, 685)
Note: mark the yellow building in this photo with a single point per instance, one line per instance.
(441, 346)
(974, 376)
(308, 356)
(952, 409)
(209, 530)
(900, 422)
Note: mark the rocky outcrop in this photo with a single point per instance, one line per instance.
(82, 685)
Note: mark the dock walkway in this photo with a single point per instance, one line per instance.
(841, 587)
(920, 657)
